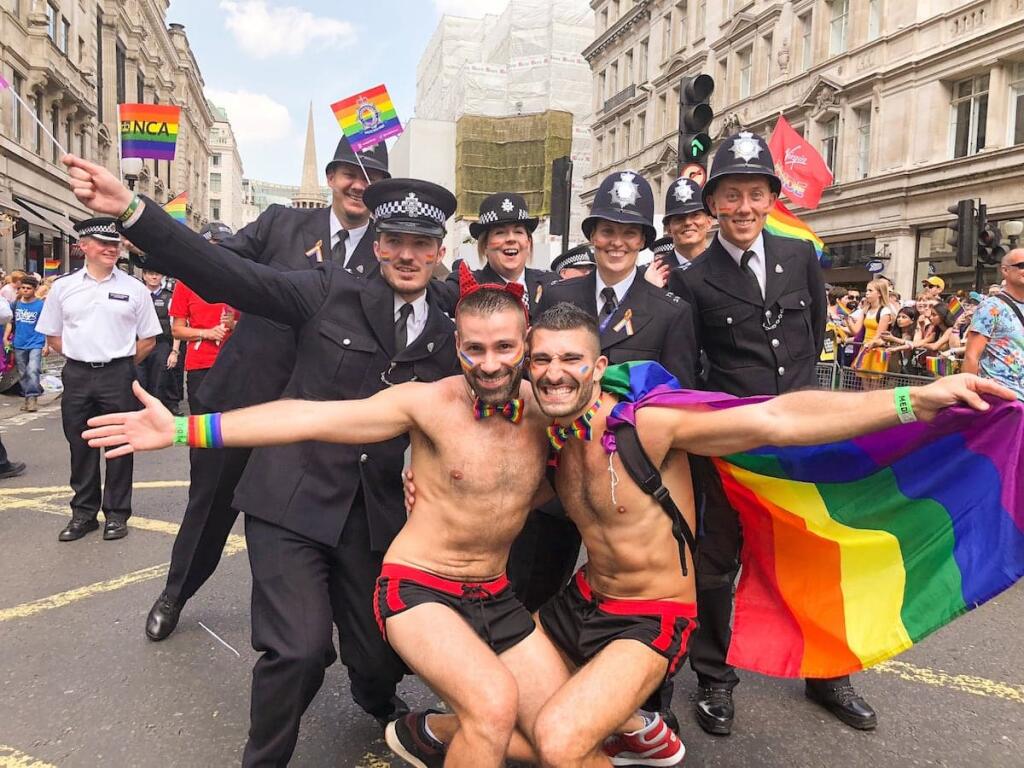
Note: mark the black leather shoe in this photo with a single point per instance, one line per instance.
(162, 618)
(13, 469)
(76, 529)
(842, 701)
(714, 709)
(670, 719)
(114, 529)
(396, 708)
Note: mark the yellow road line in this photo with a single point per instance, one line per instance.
(67, 488)
(14, 758)
(978, 686)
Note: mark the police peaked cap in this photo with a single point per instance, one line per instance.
(413, 206)
(745, 153)
(663, 245)
(101, 227)
(502, 208)
(374, 158)
(624, 197)
(682, 197)
(215, 230)
(580, 256)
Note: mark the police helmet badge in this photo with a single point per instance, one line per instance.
(507, 206)
(683, 192)
(411, 205)
(745, 147)
(625, 191)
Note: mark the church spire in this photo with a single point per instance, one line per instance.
(309, 195)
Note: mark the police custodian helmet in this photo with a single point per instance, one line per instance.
(623, 198)
(683, 197)
(745, 153)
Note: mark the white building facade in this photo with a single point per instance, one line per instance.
(226, 172)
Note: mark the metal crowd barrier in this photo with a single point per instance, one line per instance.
(833, 376)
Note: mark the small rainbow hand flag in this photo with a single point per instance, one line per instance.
(854, 551)
(367, 118)
(149, 130)
(177, 208)
(51, 265)
(956, 309)
(783, 223)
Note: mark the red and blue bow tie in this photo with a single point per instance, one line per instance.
(512, 410)
(559, 434)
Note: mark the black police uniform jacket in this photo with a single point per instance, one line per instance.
(750, 352)
(660, 327)
(345, 350)
(447, 291)
(257, 359)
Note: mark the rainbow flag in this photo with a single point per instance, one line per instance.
(854, 551)
(940, 365)
(783, 223)
(956, 309)
(177, 208)
(51, 265)
(148, 130)
(367, 118)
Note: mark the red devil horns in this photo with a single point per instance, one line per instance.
(469, 285)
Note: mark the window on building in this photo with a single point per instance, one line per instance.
(874, 19)
(140, 87)
(599, 151)
(81, 50)
(54, 131)
(613, 149)
(52, 14)
(700, 16)
(215, 159)
(18, 85)
(68, 131)
(65, 35)
(666, 36)
(99, 66)
(743, 64)
(721, 77)
(768, 46)
(970, 115)
(806, 23)
(616, 11)
(38, 145)
(81, 144)
(1017, 104)
(641, 64)
(863, 141)
(662, 114)
(120, 61)
(682, 33)
(830, 144)
(641, 130)
(214, 209)
(840, 10)
(602, 88)
(627, 69)
(673, 108)
(613, 80)
(627, 138)
(604, 20)
(215, 182)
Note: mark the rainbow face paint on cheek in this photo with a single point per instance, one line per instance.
(584, 369)
(466, 361)
(519, 358)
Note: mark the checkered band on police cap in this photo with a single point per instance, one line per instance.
(410, 207)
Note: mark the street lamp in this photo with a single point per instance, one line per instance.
(131, 169)
(1012, 230)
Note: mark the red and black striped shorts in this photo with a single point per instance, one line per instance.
(581, 624)
(490, 608)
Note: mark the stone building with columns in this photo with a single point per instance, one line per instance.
(913, 105)
(73, 64)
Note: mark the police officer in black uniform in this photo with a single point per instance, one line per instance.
(318, 517)
(760, 306)
(257, 360)
(576, 262)
(506, 256)
(686, 224)
(154, 372)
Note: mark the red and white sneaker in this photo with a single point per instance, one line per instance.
(655, 745)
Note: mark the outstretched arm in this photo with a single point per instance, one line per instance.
(813, 418)
(387, 414)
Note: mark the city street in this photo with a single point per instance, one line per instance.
(84, 687)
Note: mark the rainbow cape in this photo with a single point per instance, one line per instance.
(783, 223)
(177, 208)
(148, 130)
(367, 118)
(854, 551)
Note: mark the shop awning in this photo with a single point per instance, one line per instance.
(35, 221)
(60, 221)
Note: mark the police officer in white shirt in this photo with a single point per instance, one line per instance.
(103, 321)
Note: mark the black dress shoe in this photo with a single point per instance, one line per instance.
(76, 529)
(12, 469)
(162, 618)
(842, 701)
(114, 529)
(714, 709)
(670, 719)
(396, 708)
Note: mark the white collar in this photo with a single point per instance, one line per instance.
(621, 288)
(737, 253)
(419, 307)
(355, 234)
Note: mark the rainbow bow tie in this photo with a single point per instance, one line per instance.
(559, 434)
(512, 410)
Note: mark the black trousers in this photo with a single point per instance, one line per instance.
(153, 374)
(194, 380)
(718, 557)
(174, 382)
(543, 556)
(91, 392)
(209, 516)
(300, 590)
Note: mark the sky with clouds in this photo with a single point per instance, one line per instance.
(265, 61)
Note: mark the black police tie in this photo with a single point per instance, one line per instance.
(338, 251)
(749, 271)
(402, 327)
(610, 303)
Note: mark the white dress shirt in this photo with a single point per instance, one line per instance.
(98, 320)
(621, 288)
(355, 236)
(758, 262)
(684, 263)
(417, 320)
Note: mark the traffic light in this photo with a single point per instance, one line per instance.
(695, 116)
(989, 237)
(964, 238)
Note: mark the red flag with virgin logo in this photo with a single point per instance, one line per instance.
(803, 173)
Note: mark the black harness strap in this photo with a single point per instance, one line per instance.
(640, 467)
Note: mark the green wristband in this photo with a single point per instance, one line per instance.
(904, 408)
(130, 210)
(181, 430)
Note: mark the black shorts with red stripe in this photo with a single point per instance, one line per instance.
(581, 623)
(491, 608)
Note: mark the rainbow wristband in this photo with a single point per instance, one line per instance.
(198, 431)
(904, 408)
